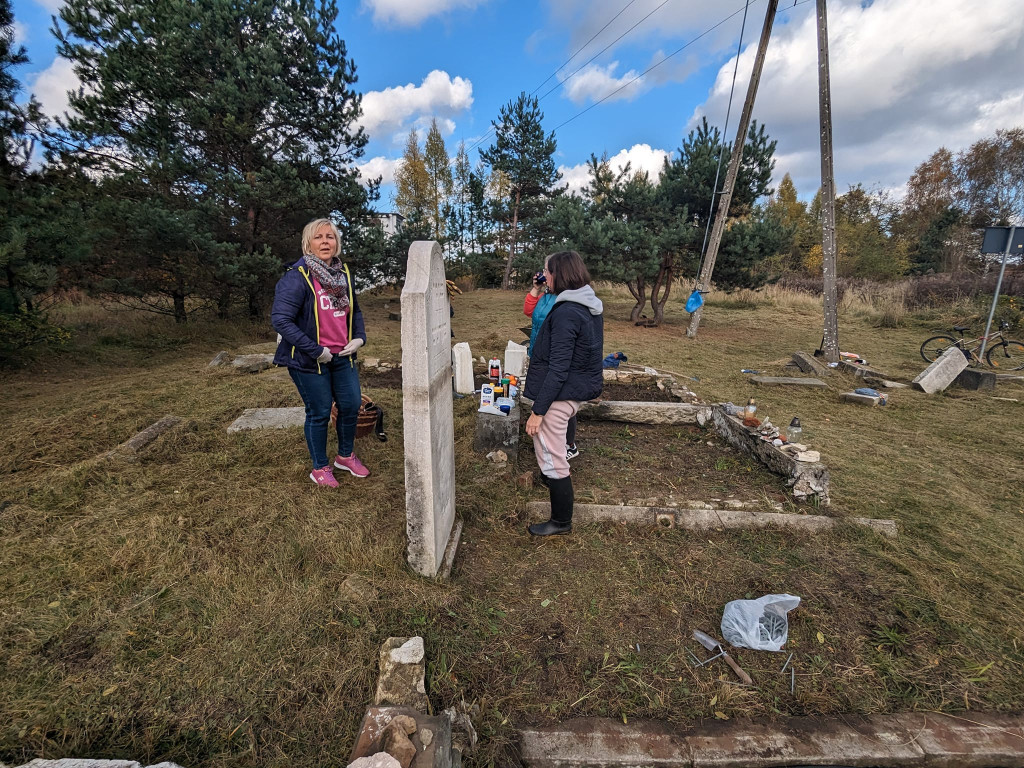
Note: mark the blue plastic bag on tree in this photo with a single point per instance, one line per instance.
(695, 302)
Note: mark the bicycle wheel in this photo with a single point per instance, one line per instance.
(935, 346)
(1006, 357)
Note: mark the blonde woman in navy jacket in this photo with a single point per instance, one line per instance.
(321, 326)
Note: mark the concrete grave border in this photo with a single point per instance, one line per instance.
(708, 519)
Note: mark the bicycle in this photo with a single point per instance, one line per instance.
(1000, 352)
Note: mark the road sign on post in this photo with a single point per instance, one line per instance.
(1008, 240)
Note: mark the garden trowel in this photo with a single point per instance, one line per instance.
(713, 645)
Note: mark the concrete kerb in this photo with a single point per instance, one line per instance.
(700, 520)
(881, 741)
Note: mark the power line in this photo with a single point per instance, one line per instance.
(578, 50)
(613, 42)
(679, 50)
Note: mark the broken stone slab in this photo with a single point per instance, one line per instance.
(252, 363)
(943, 372)
(810, 364)
(858, 399)
(268, 418)
(877, 383)
(221, 358)
(861, 371)
(975, 380)
(498, 433)
(448, 560)
(1004, 377)
(432, 751)
(639, 412)
(402, 674)
(787, 381)
(809, 480)
(709, 519)
(130, 449)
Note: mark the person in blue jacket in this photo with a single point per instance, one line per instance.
(321, 326)
(565, 370)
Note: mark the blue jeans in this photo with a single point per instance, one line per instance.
(337, 382)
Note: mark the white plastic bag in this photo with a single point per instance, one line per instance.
(759, 624)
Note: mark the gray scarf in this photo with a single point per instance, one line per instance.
(331, 278)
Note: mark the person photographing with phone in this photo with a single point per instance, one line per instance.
(538, 302)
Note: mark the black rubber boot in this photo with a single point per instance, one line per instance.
(561, 494)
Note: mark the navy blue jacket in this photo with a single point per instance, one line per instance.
(294, 317)
(566, 362)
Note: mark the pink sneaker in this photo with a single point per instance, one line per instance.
(351, 464)
(324, 476)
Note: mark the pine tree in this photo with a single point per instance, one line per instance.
(439, 171)
(525, 155)
(218, 128)
(412, 183)
(459, 210)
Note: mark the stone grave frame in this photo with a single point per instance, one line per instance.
(428, 413)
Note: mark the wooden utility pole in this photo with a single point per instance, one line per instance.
(830, 338)
(704, 280)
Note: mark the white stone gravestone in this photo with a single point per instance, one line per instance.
(462, 361)
(427, 409)
(515, 359)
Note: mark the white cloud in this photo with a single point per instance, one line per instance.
(640, 157)
(51, 86)
(905, 80)
(53, 6)
(438, 95)
(384, 167)
(20, 33)
(594, 83)
(409, 13)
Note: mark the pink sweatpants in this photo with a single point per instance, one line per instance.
(549, 442)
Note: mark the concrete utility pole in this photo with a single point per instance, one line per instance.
(704, 280)
(830, 339)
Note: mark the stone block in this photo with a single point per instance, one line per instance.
(861, 371)
(943, 372)
(268, 418)
(462, 363)
(498, 433)
(427, 409)
(130, 449)
(639, 412)
(787, 381)
(973, 379)
(252, 363)
(857, 399)
(877, 383)
(222, 358)
(432, 737)
(808, 480)
(379, 760)
(515, 359)
(810, 364)
(402, 674)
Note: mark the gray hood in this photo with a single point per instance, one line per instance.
(584, 296)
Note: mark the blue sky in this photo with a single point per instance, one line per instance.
(908, 76)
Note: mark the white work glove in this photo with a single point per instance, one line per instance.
(351, 347)
(325, 356)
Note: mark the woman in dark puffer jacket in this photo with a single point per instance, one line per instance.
(565, 370)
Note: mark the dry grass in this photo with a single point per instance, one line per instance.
(188, 607)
